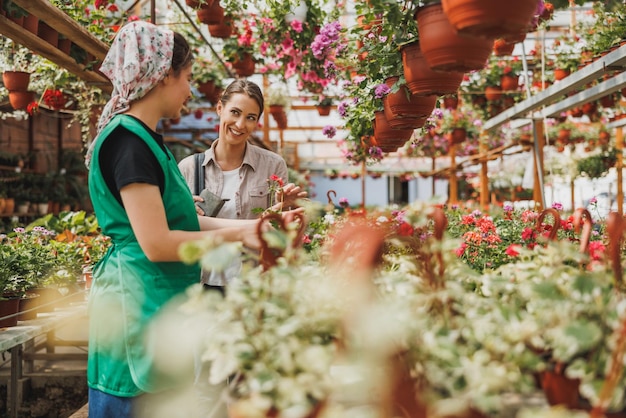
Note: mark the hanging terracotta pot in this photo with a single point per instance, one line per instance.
(509, 82)
(589, 108)
(560, 73)
(223, 29)
(387, 138)
(458, 135)
(564, 136)
(210, 13)
(493, 93)
(279, 115)
(16, 80)
(443, 48)
(450, 101)
(21, 99)
(489, 18)
(323, 110)
(502, 47)
(244, 65)
(421, 79)
(404, 110)
(207, 88)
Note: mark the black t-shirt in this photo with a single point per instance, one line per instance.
(125, 158)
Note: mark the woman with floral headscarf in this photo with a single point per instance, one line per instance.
(143, 203)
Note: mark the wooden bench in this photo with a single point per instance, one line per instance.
(26, 341)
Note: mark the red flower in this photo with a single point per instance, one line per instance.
(512, 250)
(100, 4)
(54, 99)
(32, 108)
(277, 179)
(405, 229)
(528, 234)
(596, 250)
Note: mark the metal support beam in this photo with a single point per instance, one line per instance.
(592, 93)
(610, 62)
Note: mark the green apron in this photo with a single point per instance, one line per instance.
(128, 289)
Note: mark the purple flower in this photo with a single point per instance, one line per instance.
(593, 201)
(557, 206)
(329, 131)
(342, 109)
(381, 91)
(376, 153)
(343, 202)
(508, 208)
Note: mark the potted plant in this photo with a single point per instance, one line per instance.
(240, 50)
(17, 63)
(460, 124)
(566, 56)
(324, 105)
(279, 102)
(208, 76)
(275, 346)
(301, 45)
(597, 165)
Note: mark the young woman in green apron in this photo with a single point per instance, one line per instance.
(143, 203)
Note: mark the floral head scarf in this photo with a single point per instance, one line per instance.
(139, 58)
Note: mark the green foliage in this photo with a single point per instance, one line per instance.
(607, 28)
(598, 165)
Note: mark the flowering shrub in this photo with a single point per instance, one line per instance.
(489, 241)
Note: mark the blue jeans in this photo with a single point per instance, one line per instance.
(103, 405)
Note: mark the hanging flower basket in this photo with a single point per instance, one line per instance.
(323, 110)
(387, 138)
(404, 110)
(207, 88)
(279, 115)
(493, 93)
(458, 135)
(502, 47)
(489, 18)
(443, 48)
(222, 30)
(421, 79)
(210, 13)
(244, 66)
